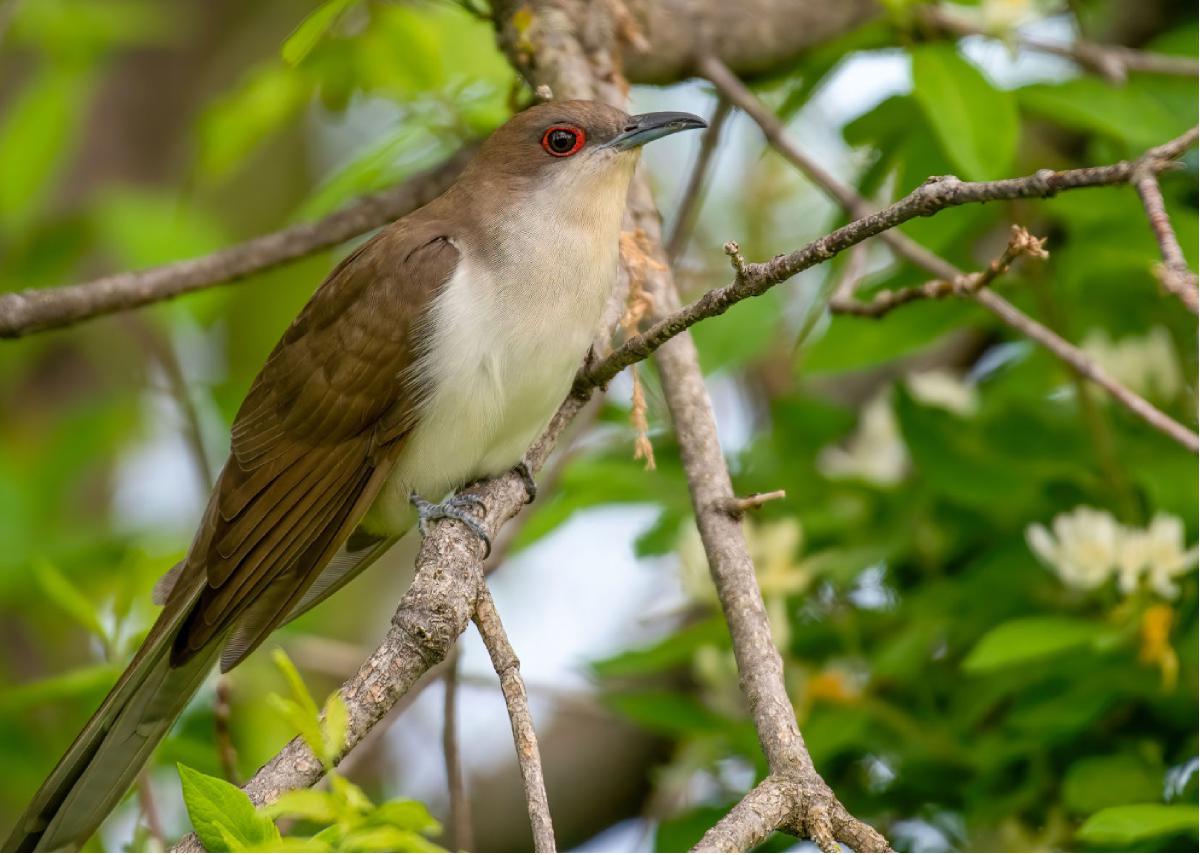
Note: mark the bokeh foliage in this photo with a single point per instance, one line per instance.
(953, 688)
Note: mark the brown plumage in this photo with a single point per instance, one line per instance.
(380, 371)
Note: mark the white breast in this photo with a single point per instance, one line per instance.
(507, 337)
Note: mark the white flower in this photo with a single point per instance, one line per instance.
(875, 452)
(1158, 553)
(1083, 550)
(944, 389)
(1146, 363)
(1089, 546)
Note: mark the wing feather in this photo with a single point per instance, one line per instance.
(314, 439)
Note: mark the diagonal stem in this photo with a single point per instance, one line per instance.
(1174, 273)
(932, 196)
(508, 668)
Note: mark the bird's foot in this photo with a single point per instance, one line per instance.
(453, 508)
(522, 469)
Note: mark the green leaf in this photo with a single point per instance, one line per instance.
(745, 332)
(956, 460)
(142, 228)
(91, 680)
(385, 839)
(675, 649)
(1100, 782)
(976, 123)
(1023, 640)
(335, 723)
(312, 29)
(1128, 824)
(350, 794)
(67, 597)
(302, 720)
(406, 814)
(299, 691)
(316, 806)
(38, 128)
(296, 844)
(261, 104)
(1129, 113)
(666, 712)
(223, 816)
(301, 710)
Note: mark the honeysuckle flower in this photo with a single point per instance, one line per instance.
(875, 452)
(1156, 555)
(1088, 546)
(944, 389)
(1146, 363)
(1083, 549)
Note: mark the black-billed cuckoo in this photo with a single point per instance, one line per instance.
(430, 357)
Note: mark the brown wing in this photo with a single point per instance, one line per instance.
(314, 439)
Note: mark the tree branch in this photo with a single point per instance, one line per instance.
(689, 205)
(1112, 62)
(932, 196)
(1173, 273)
(448, 583)
(1020, 243)
(25, 312)
(578, 63)
(461, 839)
(508, 669)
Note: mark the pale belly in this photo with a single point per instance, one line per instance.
(496, 387)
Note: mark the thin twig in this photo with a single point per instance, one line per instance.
(461, 839)
(222, 718)
(852, 274)
(158, 345)
(934, 195)
(149, 811)
(1173, 273)
(736, 506)
(25, 312)
(508, 669)
(1112, 62)
(689, 205)
(1020, 243)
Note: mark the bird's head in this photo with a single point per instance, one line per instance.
(563, 144)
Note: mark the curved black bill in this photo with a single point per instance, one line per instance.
(648, 127)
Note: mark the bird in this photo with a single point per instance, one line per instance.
(430, 357)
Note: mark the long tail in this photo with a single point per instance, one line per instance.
(104, 759)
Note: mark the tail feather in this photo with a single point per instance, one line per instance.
(102, 762)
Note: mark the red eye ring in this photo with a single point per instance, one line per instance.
(555, 141)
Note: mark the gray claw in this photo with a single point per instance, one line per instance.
(453, 508)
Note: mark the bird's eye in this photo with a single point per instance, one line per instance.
(562, 141)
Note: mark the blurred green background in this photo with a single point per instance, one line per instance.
(982, 578)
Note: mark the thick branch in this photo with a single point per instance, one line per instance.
(433, 613)
(25, 312)
(508, 669)
(579, 64)
(752, 36)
